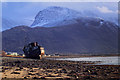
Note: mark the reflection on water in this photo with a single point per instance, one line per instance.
(104, 60)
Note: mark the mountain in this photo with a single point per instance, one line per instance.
(54, 16)
(60, 16)
(87, 35)
(8, 23)
(57, 16)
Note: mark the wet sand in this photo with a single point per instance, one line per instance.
(32, 69)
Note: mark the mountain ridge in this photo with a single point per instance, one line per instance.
(58, 16)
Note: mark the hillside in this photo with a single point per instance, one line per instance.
(85, 36)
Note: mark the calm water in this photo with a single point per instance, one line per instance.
(104, 60)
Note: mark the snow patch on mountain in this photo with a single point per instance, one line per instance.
(51, 16)
(58, 16)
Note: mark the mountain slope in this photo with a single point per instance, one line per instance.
(60, 16)
(85, 36)
(53, 16)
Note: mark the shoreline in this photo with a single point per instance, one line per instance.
(16, 68)
(79, 56)
(70, 56)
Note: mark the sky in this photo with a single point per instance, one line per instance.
(23, 13)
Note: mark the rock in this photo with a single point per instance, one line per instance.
(36, 78)
(105, 74)
(21, 67)
(6, 68)
(72, 72)
(38, 74)
(87, 77)
(15, 73)
(94, 73)
(17, 62)
(42, 78)
(49, 70)
(25, 78)
(28, 76)
(50, 75)
(17, 69)
(64, 70)
(98, 67)
(32, 71)
(31, 74)
(3, 70)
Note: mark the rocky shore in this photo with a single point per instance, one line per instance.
(32, 69)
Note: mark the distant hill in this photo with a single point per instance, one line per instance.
(87, 35)
(7, 23)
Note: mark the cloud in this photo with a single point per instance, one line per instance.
(104, 9)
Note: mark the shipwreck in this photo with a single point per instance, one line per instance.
(33, 51)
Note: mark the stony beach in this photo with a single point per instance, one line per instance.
(45, 69)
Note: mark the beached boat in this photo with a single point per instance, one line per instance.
(34, 51)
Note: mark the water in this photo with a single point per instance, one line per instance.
(113, 60)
